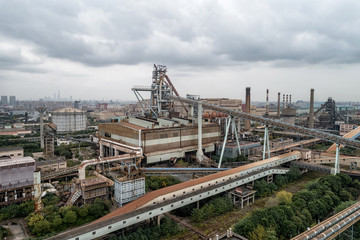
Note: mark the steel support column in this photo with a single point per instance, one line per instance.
(236, 135)
(228, 122)
(199, 153)
(266, 143)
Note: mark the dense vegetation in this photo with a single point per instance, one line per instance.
(54, 219)
(320, 147)
(265, 189)
(239, 158)
(14, 211)
(166, 229)
(65, 150)
(306, 208)
(215, 207)
(157, 182)
(4, 232)
(29, 147)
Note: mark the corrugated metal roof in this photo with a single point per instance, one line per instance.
(6, 149)
(10, 162)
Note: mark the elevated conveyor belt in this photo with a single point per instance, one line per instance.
(350, 135)
(172, 197)
(333, 226)
(311, 132)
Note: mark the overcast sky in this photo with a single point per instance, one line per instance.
(100, 49)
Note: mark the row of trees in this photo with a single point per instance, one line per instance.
(157, 182)
(53, 219)
(215, 207)
(168, 228)
(305, 208)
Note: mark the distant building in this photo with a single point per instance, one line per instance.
(233, 104)
(14, 131)
(16, 180)
(345, 128)
(279, 142)
(78, 105)
(51, 165)
(69, 120)
(12, 152)
(102, 106)
(12, 100)
(4, 100)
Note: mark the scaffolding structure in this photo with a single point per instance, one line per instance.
(158, 105)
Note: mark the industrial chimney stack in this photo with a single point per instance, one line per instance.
(311, 113)
(267, 103)
(278, 106)
(287, 101)
(284, 101)
(247, 109)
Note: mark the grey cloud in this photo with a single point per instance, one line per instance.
(101, 33)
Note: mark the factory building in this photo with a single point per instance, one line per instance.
(12, 152)
(69, 120)
(233, 104)
(345, 128)
(16, 180)
(161, 139)
(51, 165)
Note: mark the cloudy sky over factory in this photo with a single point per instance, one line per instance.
(100, 49)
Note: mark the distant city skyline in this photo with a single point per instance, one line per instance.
(100, 50)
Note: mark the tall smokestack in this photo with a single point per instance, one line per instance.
(278, 105)
(311, 113)
(267, 103)
(247, 109)
(289, 100)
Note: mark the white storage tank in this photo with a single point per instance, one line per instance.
(69, 119)
(128, 190)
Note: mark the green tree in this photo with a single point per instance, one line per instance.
(41, 227)
(70, 218)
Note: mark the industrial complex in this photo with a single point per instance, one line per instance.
(218, 146)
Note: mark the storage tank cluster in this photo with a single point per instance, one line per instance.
(69, 119)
